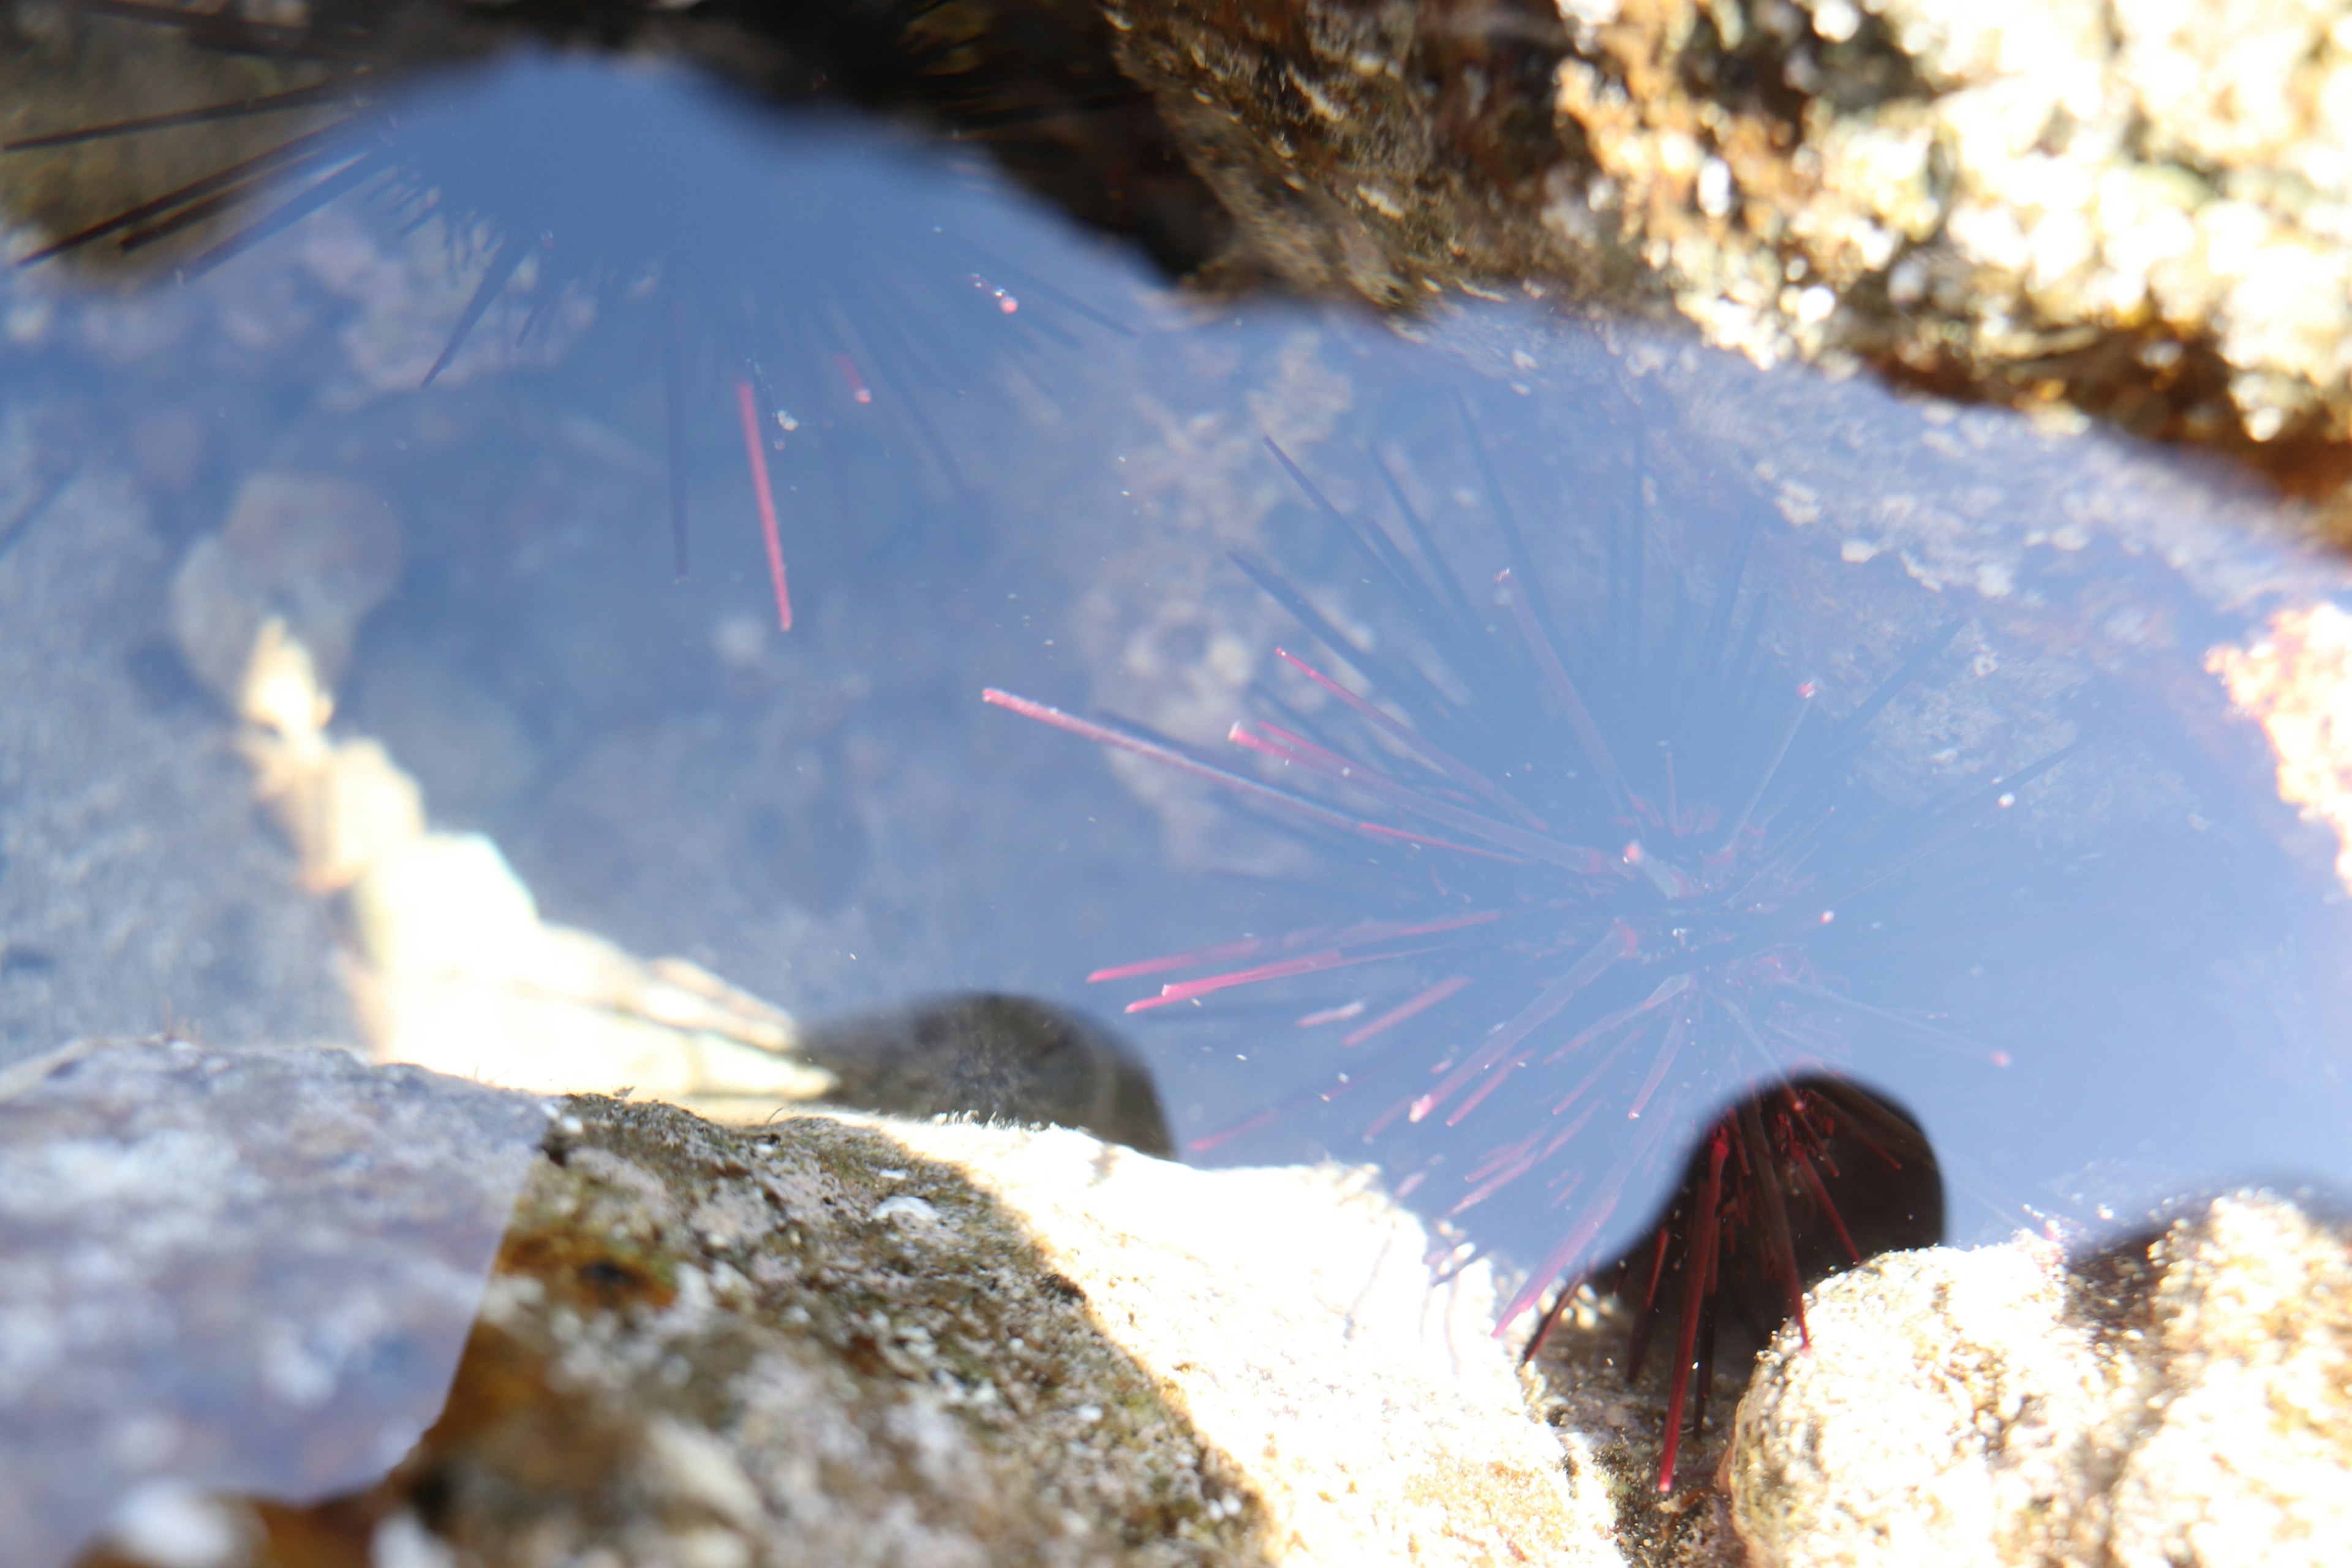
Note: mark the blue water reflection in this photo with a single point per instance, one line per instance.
(1002, 455)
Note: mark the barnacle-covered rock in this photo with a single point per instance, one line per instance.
(2186, 1401)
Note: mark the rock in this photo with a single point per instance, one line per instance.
(1291, 1308)
(2297, 683)
(2131, 209)
(2187, 1402)
(461, 975)
(454, 968)
(1614, 1430)
(139, 891)
(992, 1057)
(804, 1346)
(825, 1341)
(2242, 1452)
(312, 553)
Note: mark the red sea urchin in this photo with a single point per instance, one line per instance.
(1612, 877)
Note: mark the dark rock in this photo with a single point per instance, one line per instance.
(995, 1057)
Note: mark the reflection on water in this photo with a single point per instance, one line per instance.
(232, 1271)
(1918, 714)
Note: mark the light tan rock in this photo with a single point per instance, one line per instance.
(455, 970)
(2188, 1402)
(315, 552)
(1378, 1419)
(2132, 209)
(459, 974)
(2248, 1457)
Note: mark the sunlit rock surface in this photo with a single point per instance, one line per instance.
(806, 1346)
(2135, 209)
(1291, 1308)
(2185, 1403)
(260, 1310)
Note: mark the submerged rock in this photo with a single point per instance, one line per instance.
(230, 1272)
(995, 1057)
(2186, 1402)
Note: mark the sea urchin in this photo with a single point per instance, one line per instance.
(1614, 873)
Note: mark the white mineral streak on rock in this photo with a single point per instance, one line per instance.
(1291, 1310)
(1991, 1407)
(2298, 682)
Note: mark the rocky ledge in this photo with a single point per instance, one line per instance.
(2187, 1401)
(255, 1318)
(286, 1309)
(2134, 210)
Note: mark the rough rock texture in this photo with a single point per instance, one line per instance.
(806, 1346)
(1613, 1429)
(240, 1285)
(2137, 209)
(2184, 1403)
(1377, 1421)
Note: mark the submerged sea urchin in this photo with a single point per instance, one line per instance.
(815, 268)
(1618, 878)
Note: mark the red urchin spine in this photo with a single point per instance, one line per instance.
(1676, 967)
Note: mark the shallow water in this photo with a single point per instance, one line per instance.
(1006, 454)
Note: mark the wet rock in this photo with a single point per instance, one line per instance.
(314, 552)
(1377, 1419)
(806, 1346)
(2187, 1402)
(454, 968)
(2134, 210)
(991, 1057)
(1612, 1428)
(137, 888)
(825, 1341)
(239, 1272)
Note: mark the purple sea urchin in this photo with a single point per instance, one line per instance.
(1617, 879)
